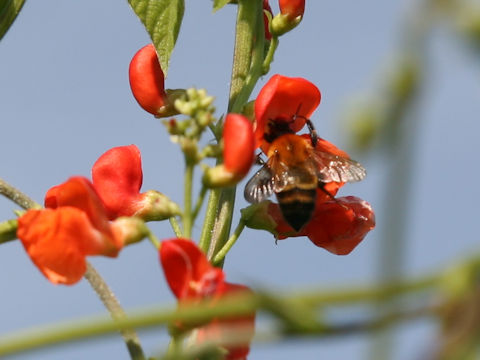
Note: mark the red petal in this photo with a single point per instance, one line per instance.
(147, 80)
(117, 178)
(292, 8)
(78, 192)
(339, 226)
(238, 144)
(187, 270)
(58, 240)
(281, 99)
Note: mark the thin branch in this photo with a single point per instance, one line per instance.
(17, 196)
(116, 312)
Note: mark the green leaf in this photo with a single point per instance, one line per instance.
(218, 4)
(9, 10)
(162, 20)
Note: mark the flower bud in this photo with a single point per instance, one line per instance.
(238, 144)
(155, 206)
(147, 82)
(292, 8)
(238, 153)
(129, 229)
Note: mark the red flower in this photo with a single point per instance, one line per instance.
(147, 80)
(238, 145)
(59, 238)
(284, 99)
(117, 178)
(292, 8)
(337, 225)
(238, 153)
(192, 278)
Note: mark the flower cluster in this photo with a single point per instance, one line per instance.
(76, 222)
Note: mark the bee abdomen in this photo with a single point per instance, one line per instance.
(297, 206)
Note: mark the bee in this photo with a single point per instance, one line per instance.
(294, 170)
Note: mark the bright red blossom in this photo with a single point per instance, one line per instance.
(192, 278)
(238, 145)
(285, 99)
(74, 226)
(147, 80)
(337, 225)
(281, 109)
(117, 176)
(292, 8)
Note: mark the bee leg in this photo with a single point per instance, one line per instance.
(259, 160)
(321, 186)
(313, 132)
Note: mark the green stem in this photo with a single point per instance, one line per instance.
(8, 230)
(220, 255)
(198, 205)
(175, 226)
(153, 239)
(209, 222)
(187, 211)
(17, 196)
(256, 66)
(227, 307)
(247, 14)
(116, 312)
(269, 57)
(247, 61)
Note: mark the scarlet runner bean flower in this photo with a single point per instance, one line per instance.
(338, 225)
(147, 82)
(192, 278)
(58, 238)
(291, 13)
(238, 152)
(283, 99)
(117, 177)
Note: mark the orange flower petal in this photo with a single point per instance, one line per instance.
(281, 99)
(58, 240)
(117, 177)
(78, 192)
(339, 226)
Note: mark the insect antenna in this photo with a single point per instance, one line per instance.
(311, 128)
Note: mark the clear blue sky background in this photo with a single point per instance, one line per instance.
(65, 99)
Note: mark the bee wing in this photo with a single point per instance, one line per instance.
(334, 168)
(260, 186)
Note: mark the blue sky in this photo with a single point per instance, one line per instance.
(65, 99)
